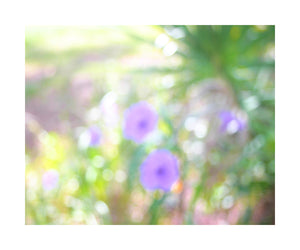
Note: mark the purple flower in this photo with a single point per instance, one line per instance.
(50, 179)
(230, 122)
(140, 120)
(159, 170)
(94, 136)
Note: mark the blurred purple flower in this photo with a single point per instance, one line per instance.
(140, 120)
(230, 122)
(159, 170)
(50, 179)
(94, 135)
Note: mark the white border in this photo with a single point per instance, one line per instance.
(14, 17)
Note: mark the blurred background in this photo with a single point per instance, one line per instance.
(213, 89)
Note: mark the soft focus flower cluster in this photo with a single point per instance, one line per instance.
(160, 169)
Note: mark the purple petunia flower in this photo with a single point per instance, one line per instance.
(159, 171)
(50, 179)
(230, 122)
(140, 120)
